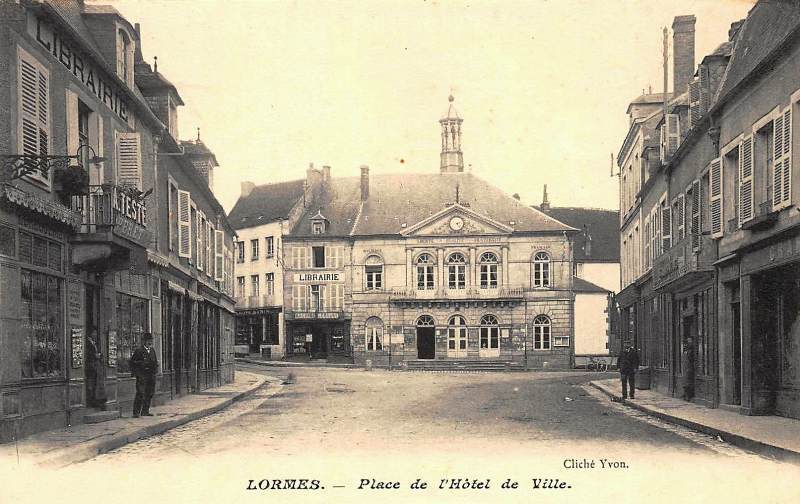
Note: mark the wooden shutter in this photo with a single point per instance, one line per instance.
(184, 224)
(681, 216)
(715, 197)
(34, 111)
(129, 160)
(198, 239)
(786, 199)
(73, 139)
(219, 242)
(673, 134)
(695, 113)
(746, 180)
(209, 249)
(695, 224)
(666, 225)
(663, 143)
(777, 162)
(646, 243)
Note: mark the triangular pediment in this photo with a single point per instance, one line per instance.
(457, 220)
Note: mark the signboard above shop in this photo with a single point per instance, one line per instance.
(314, 277)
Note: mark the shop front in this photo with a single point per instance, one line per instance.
(258, 332)
(318, 335)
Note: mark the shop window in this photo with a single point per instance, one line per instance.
(41, 325)
(488, 267)
(131, 323)
(541, 269)
(374, 334)
(489, 332)
(319, 257)
(425, 272)
(8, 241)
(456, 271)
(541, 333)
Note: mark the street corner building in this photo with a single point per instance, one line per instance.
(427, 270)
(108, 224)
(710, 227)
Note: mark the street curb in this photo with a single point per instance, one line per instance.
(90, 449)
(295, 364)
(758, 447)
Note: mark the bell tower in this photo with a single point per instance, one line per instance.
(452, 159)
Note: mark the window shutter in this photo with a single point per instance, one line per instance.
(73, 141)
(673, 134)
(209, 249)
(777, 162)
(787, 156)
(184, 224)
(681, 221)
(695, 112)
(647, 243)
(715, 197)
(219, 238)
(663, 143)
(696, 215)
(666, 225)
(129, 160)
(746, 180)
(197, 242)
(34, 114)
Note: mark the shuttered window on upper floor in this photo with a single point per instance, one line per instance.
(34, 111)
(129, 160)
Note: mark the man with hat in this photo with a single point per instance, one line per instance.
(628, 363)
(144, 365)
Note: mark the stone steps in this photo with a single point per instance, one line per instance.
(100, 416)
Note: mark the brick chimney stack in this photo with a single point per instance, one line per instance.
(682, 52)
(364, 182)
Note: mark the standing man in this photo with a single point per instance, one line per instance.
(144, 365)
(93, 362)
(628, 363)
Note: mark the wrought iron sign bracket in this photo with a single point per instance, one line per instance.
(22, 165)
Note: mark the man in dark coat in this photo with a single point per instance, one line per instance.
(144, 365)
(94, 360)
(628, 363)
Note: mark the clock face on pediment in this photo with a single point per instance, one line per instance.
(457, 220)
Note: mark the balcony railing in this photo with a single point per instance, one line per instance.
(687, 261)
(500, 292)
(262, 301)
(108, 208)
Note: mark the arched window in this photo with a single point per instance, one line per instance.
(373, 273)
(488, 264)
(426, 268)
(490, 333)
(456, 271)
(541, 332)
(541, 270)
(124, 56)
(457, 334)
(425, 321)
(374, 334)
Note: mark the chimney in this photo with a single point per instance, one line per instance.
(682, 52)
(326, 173)
(247, 188)
(313, 176)
(545, 207)
(364, 182)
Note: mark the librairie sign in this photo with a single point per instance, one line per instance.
(326, 277)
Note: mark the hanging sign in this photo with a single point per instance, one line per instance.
(112, 348)
(76, 338)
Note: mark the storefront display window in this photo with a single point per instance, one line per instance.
(41, 325)
(131, 323)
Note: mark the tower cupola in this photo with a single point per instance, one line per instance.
(452, 159)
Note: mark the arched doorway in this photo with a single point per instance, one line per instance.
(426, 337)
(457, 337)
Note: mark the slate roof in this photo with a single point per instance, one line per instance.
(153, 81)
(768, 24)
(581, 285)
(198, 148)
(601, 225)
(266, 203)
(399, 199)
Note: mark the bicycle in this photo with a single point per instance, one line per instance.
(596, 364)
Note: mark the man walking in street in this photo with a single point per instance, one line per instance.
(144, 365)
(628, 363)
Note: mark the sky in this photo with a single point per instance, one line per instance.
(542, 86)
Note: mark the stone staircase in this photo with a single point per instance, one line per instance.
(462, 366)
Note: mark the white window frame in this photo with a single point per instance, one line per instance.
(373, 329)
(542, 332)
(541, 270)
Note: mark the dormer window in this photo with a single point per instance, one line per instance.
(124, 57)
(319, 224)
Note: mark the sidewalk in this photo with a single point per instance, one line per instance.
(289, 364)
(71, 445)
(773, 436)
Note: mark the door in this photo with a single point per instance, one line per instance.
(426, 343)
(688, 353)
(457, 337)
(737, 354)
